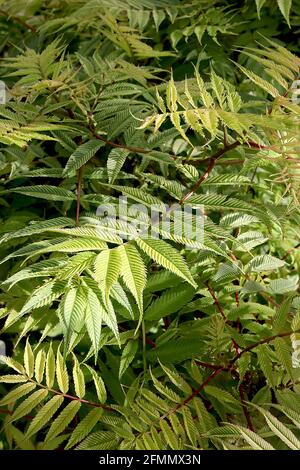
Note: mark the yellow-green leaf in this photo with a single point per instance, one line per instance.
(61, 373)
(63, 419)
(44, 415)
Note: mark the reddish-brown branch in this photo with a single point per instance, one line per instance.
(71, 397)
(227, 367)
(213, 160)
(81, 400)
(217, 303)
(114, 145)
(19, 21)
(196, 391)
(220, 308)
(167, 321)
(262, 341)
(9, 412)
(245, 408)
(199, 182)
(291, 250)
(211, 164)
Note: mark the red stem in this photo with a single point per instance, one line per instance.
(228, 367)
(18, 20)
(119, 146)
(9, 412)
(245, 409)
(210, 167)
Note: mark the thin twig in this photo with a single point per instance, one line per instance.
(167, 321)
(19, 21)
(218, 371)
(217, 303)
(291, 250)
(119, 146)
(262, 341)
(198, 183)
(220, 308)
(245, 408)
(195, 392)
(71, 397)
(212, 161)
(9, 412)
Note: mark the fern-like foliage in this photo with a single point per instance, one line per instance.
(121, 331)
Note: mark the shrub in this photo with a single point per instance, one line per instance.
(125, 331)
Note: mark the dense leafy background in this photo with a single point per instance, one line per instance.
(146, 344)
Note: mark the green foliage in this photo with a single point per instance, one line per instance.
(117, 339)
